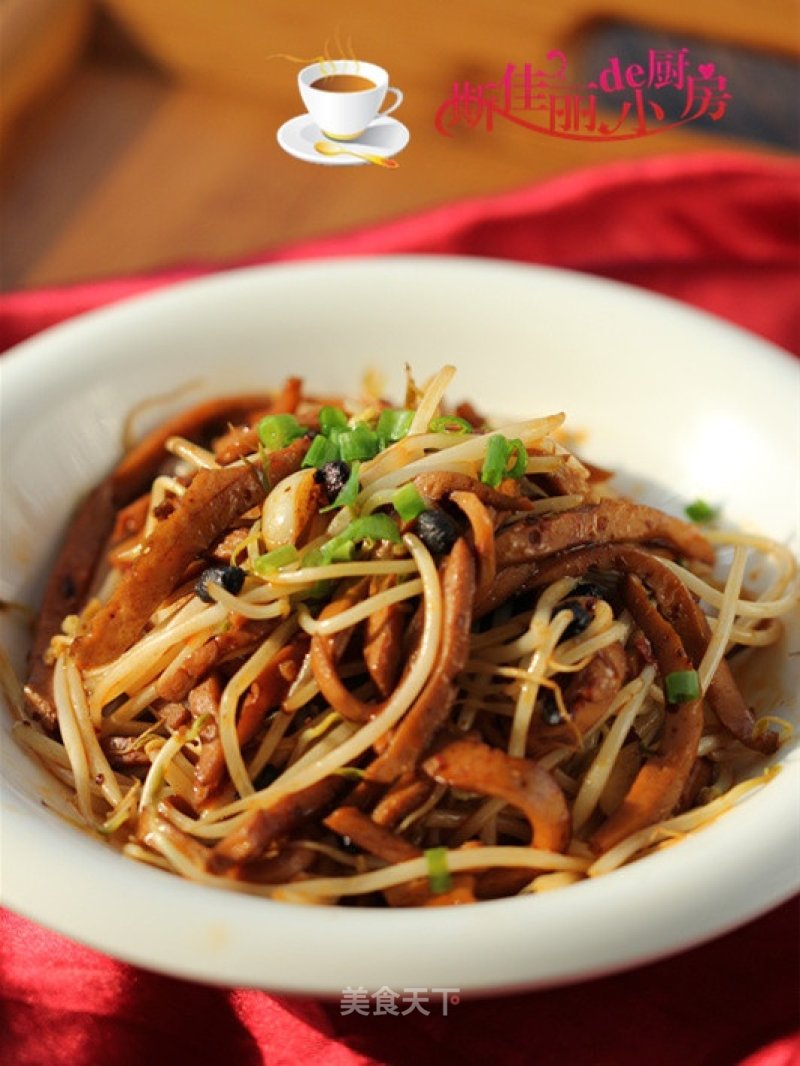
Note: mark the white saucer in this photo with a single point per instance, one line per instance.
(385, 137)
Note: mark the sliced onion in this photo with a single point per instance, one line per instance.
(288, 509)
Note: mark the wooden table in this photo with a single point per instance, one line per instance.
(141, 133)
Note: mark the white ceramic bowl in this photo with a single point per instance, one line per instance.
(694, 406)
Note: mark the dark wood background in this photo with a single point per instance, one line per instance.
(139, 134)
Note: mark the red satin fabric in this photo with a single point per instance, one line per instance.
(720, 232)
(66, 1005)
(717, 231)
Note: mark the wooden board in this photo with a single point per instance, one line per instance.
(163, 151)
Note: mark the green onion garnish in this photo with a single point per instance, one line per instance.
(370, 527)
(393, 425)
(276, 431)
(439, 879)
(347, 495)
(274, 560)
(682, 686)
(338, 551)
(499, 452)
(449, 424)
(322, 451)
(360, 442)
(516, 447)
(331, 419)
(494, 463)
(700, 511)
(350, 773)
(408, 503)
(197, 727)
(320, 589)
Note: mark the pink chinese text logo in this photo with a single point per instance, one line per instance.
(664, 91)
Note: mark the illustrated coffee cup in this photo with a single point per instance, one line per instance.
(344, 95)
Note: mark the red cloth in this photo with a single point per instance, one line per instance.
(66, 1005)
(717, 231)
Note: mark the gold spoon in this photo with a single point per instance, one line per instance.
(326, 148)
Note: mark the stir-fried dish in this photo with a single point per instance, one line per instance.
(333, 651)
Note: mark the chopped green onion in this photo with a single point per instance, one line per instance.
(197, 727)
(331, 419)
(499, 452)
(700, 511)
(439, 879)
(274, 560)
(347, 495)
(350, 773)
(494, 463)
(408, 503)
(276, 431)
(336, 551)
(374, 527)
(449, 424)
(370, 527)
(393, 425)
(320, 589)
(516, 447)
(322, 451)
(360, 442)
(682, 686)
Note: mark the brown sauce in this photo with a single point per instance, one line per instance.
(343, 83)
